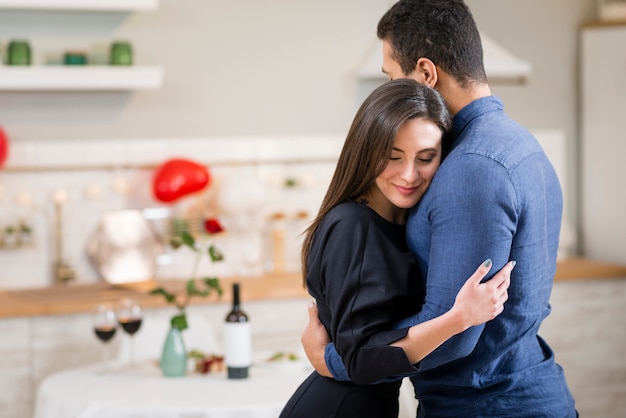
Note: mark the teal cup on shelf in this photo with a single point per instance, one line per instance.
(75, 58)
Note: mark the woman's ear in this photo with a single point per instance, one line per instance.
(426, 72)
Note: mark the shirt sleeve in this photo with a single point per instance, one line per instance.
(355, 286)
(472, 217)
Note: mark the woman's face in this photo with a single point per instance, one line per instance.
(415, 157)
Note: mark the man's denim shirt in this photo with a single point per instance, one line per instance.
(495, 196)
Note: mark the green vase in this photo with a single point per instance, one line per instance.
(174, 355)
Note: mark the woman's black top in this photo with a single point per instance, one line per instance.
(364, 279)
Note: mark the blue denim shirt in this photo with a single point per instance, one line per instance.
(495, 196)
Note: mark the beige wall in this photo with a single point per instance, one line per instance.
(244, 68)
(274, 67)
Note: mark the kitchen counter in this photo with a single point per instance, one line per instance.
(74, 298)
(77, 298)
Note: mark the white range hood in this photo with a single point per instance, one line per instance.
(501, 66)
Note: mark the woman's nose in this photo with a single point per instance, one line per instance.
(410, 172)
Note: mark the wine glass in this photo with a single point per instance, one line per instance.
(129, 317)
(105, 325)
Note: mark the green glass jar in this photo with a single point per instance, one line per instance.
(18, 53)
(121, 53)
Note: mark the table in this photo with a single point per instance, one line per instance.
(142, 392)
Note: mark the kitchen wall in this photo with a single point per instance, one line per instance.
(263, 198)
(269, 67)
(252, 70)
(249, 194)
(245, 68)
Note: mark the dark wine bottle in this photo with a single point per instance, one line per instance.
(237, 340)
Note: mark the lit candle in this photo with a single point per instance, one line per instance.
(60, 196)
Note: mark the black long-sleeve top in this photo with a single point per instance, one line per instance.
(364, 279)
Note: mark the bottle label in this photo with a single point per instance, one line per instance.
(238, 344)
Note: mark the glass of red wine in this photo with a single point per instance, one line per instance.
(105, 325)
(129, 317)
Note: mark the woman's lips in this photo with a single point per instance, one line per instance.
(406, 190)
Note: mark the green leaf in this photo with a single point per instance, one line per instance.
(191, 287)
(179, 322)
(213, 283)
(188, 240)
(169, 297)
(215, 254)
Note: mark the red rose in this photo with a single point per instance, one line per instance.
(212, 226)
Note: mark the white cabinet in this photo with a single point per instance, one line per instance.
(603, 141)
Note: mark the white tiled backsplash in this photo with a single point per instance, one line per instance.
(247, 184)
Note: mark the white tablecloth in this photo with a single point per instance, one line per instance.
(142, 392)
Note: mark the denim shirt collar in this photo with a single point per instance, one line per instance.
(468, 113)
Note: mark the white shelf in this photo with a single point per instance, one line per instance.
(63, 78)
(88, 5)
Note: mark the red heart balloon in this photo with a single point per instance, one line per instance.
(4, 147)
(179, 177)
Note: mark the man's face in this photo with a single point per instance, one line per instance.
(391, 68)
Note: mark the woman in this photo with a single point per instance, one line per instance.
(356, 262)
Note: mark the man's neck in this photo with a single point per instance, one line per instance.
(457, 97)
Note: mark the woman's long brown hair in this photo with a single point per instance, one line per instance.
(368, 146)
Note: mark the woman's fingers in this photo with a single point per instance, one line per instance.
(481, 272)
(502, 279)
(500, 284)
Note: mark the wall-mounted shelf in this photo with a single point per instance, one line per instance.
(60, 78)
(88, 5)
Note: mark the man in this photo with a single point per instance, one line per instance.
(495, 196)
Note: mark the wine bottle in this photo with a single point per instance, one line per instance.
(237, 340)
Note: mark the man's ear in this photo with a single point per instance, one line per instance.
(426, 72)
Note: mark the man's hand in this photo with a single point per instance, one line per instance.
(314, 339)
